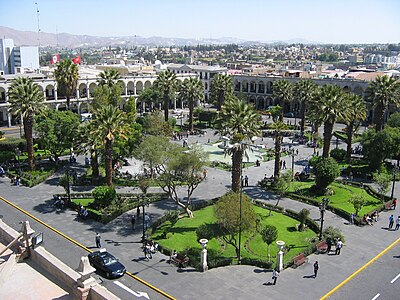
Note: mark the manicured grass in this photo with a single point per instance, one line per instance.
(183, 235)
(341, 196)
(83, 201)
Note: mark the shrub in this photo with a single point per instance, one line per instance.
(333, 233)
(6, 156)
(10, 143)
(338, 154)
(104, 195)
(303, 215)
(172, 216)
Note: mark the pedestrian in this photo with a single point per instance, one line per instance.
(397, 223)
(297, 151)
(133, 221)
(147, 221)
(204, 173)
(352, 219)
(137, 212)
(275, 275)
(394, 203)
(316, 267)
(339, 246)
(281, 164)
(391, 221)
(284, 164)
(246, 180)
(329, 242)
(98, 240)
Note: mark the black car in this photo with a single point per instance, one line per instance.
(105, 262)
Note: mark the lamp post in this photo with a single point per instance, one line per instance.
(292, 165)
(68, 187)
(240, 211)
(395, 169)
(322, 208)
(144, 204)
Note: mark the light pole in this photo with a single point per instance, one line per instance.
(144, 204)
(68, 187)
(322, 208)
(293, 165)
(240, 211)
(395, 169)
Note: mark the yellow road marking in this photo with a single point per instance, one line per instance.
(83, 247)
(359, 270)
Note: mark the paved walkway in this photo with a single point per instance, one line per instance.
(237, 282)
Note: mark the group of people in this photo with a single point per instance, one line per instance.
(337, 243)
(369, 219)
(16, 180)
(392, 222)
(149, 248)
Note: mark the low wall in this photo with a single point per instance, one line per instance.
(56, 268)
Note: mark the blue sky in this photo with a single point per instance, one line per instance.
(335, 21)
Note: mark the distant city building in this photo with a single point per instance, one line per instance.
(17, 60)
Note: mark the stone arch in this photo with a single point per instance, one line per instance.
(245, 86)
(253, 87)
(84, 107)
(82, 90)
(131, 88)
(139, 87)
(269, 87)
(346, 89)
(122, 85)
(358, 90)
(252, 100)
(261, 87)
(2, 95)
(92, 88)
(147, 84)
(50, 95)
(237, 86)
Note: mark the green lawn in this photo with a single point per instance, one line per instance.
(83, 201)
(183, 235)
(341, 196)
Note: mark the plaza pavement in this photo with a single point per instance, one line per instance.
(233, 282)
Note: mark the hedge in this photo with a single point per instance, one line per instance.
(10, 143)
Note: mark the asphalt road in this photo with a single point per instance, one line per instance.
(12, 131)
(69, 253)
(380, 280)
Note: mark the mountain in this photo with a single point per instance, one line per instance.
(30, 38)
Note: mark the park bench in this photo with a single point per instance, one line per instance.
(180, 260)
(322, 247)
(299, 260)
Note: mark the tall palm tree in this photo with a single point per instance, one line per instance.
(278, 127)
(67, 78)
(382, 92)
(240, 122)
(303, 92)
(328, 105)
(167, 84)
(191, 90)
(221, 89)
(26, 99)
(357, 111)
(109, 77)
(282, 91)
(109, 123)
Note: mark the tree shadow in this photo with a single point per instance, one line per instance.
(291, 229)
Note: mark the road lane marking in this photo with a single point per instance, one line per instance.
(83, 247)
(137, 294)
(359, 270)
(394, 279)
(376, 296)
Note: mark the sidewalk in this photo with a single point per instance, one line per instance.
(237, 282)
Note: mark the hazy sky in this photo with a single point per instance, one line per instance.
(335, 21)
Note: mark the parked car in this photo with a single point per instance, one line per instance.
(289, 115)
(106, 263)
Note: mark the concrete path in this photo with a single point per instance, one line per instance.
(237, 282)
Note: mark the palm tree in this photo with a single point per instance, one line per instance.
(167, 84)
(191, 90)
(221, 89)
(357, 111)
(67, 78)
(109, 77)
(303, 92)
(150, 96)
(328, 105)
(282, 92)
(109, 122)
(240, 122)
(26, 99)
(382, 92)
(278, 127)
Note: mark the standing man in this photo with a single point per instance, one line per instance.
(246, 180)
(394, 204)
(397, 223)
(98, 240)
(316, 267)
(275, 275)
(339, 246)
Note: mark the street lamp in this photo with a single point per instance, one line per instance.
(144, 204)
(68, 187)
(322, 208)
(292, 165)
(395, 169)
(240, 211)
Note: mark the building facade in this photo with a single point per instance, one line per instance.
(6, 56)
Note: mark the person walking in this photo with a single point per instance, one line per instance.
(394, 203)
(246, 180)
(137, 213)
(329, 242)
(397, 223)
(391, 221)
(316, 267)
(275, 275)
(98, 240)
(284, 164)
(133, 221)
(339, 246)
